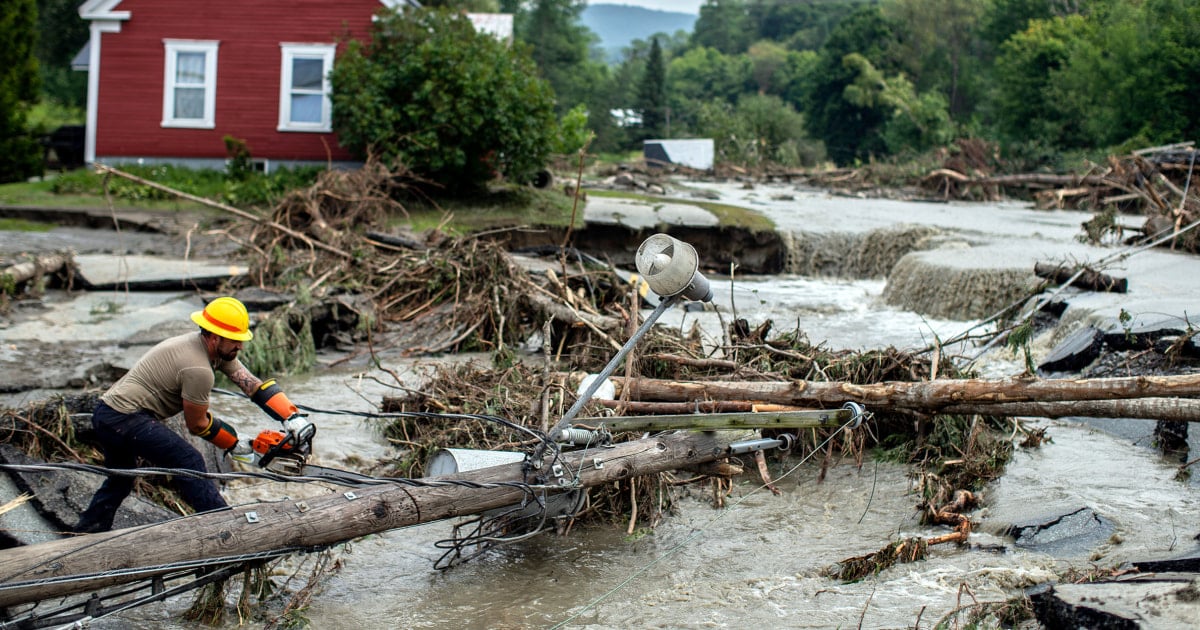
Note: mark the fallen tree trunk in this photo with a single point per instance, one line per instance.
(1169, 409)
(929, 396)
(86, 563)
(1088, 279)
(23, 271)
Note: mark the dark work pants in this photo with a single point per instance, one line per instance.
(126, 437)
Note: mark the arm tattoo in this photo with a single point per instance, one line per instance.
(245, 380)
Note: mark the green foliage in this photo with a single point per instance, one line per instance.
(851, 132)
(48, 115)
(915, 122)
(20, 155)
(573, 131)
(240, 165)
(560, 46)
(652, 94)
(703, 74)
(759, 130)
(61, 33)
(451, 104)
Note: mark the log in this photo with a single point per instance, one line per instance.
(23, 271)
(1168, 409)
(86, 563)
(930, 396)
(1089, 279)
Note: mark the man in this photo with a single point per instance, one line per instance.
(177, 375)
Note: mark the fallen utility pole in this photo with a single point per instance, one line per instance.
(929, 396)
(86, 563)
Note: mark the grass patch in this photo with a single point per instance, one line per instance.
(499, 208)
(21, 225)
(727, 215)
(42, 194)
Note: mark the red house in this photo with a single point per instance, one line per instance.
(169, 79)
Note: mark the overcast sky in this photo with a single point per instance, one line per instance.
(680, 6)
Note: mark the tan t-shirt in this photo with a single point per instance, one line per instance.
(175, 370)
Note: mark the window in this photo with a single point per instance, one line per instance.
(190, 88)
(304, 103)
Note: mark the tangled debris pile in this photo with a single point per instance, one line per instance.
(1155, 182)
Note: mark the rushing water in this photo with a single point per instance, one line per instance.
(758, 561)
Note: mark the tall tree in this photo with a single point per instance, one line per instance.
(722, 25)
(561, 48)
(850, 131)
(938, 47)
(19, 155)
(61, 34)
(652, 94)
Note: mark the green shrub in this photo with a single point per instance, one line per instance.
(453, 105)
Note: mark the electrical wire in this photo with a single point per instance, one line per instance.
(699, 531)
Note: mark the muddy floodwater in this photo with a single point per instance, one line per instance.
(758, 561)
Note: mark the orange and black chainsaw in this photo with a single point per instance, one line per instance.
(285, 452)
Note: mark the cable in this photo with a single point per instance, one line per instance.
(696, 534)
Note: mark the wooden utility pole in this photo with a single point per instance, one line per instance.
(86, 563)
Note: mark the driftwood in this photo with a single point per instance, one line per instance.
(928, 396)
(1169, 409)
(1088, 279)
(23, 271)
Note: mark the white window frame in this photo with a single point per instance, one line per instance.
(209, 48)
(289, 52)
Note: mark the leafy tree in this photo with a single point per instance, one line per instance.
(938, 47)
(767, 61)
(722, 26)
(797, 25)
(704, 73)
(1026, 105)
(452, 104)
(1002, 19)
(652, 94)
(561, 48)
(19, 154)
(1132, 76)
(916, 122)
(850, 132)
(758, 129)
(61, 34)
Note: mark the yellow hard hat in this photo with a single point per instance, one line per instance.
(227, 317)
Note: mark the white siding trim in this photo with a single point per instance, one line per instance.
(288, 53)
(172, 48)
(96, 29)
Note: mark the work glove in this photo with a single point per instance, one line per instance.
(220, 433)
(243, 451)
(273, 401)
